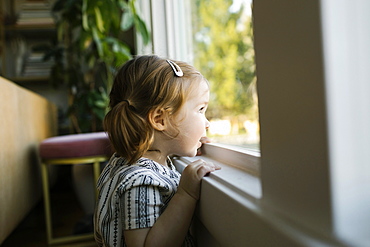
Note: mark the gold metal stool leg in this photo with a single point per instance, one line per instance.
(96, 170)
(45, 186)
(95, 161)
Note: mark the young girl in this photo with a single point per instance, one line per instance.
(157, 109)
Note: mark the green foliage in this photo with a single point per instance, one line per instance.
(90, 48)
(225, 55)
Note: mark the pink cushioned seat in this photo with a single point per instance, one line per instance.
(77, 145)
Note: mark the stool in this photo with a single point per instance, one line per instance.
(90, 148)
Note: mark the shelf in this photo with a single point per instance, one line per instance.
(25, 36)
(29, 79)
(15, 27)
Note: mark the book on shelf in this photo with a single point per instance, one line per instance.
(16, 50)
(35, 13)
(34, 64)
(26, 59)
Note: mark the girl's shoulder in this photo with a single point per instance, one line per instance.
(145, 172)
(119, 163)
(144, 167)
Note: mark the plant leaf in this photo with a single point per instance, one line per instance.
(141, 28)
(97, 42)
(100, 103)
(99, 19)
(127, 20)
(85, 20)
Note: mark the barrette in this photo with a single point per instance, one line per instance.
(176, 69)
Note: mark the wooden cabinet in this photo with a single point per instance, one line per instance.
(27, 30)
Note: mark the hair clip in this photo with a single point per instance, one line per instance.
(176, 69)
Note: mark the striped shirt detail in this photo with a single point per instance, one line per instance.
(132, 197)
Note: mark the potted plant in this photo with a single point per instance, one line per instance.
(92, 43)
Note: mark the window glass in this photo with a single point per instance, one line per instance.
(223, 51)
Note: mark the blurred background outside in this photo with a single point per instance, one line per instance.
(224, 53)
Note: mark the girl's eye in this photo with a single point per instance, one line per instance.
(202, 109)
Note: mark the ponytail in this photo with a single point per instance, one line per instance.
(129, 133)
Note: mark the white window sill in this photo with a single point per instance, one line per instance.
(231, 210)
(230, 197)
(239, 170)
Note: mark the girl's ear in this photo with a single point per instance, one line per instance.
(158, 118)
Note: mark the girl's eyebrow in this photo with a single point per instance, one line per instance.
(205, 103)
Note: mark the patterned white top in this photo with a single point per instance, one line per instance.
(131, 197)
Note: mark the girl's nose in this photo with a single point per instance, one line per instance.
(208, 124)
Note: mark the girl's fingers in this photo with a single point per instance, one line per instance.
(192, 176)
(201, 167)
(205, 139)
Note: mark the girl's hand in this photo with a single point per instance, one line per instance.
(203, 140)
(192, 175)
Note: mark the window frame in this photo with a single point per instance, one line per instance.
(170, 28)
(308, 196)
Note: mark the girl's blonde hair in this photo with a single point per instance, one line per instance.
(143, 84)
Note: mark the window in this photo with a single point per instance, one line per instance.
(223, 51)
(312, 61)
(182, 33)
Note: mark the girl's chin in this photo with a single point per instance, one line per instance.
(192, 153)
